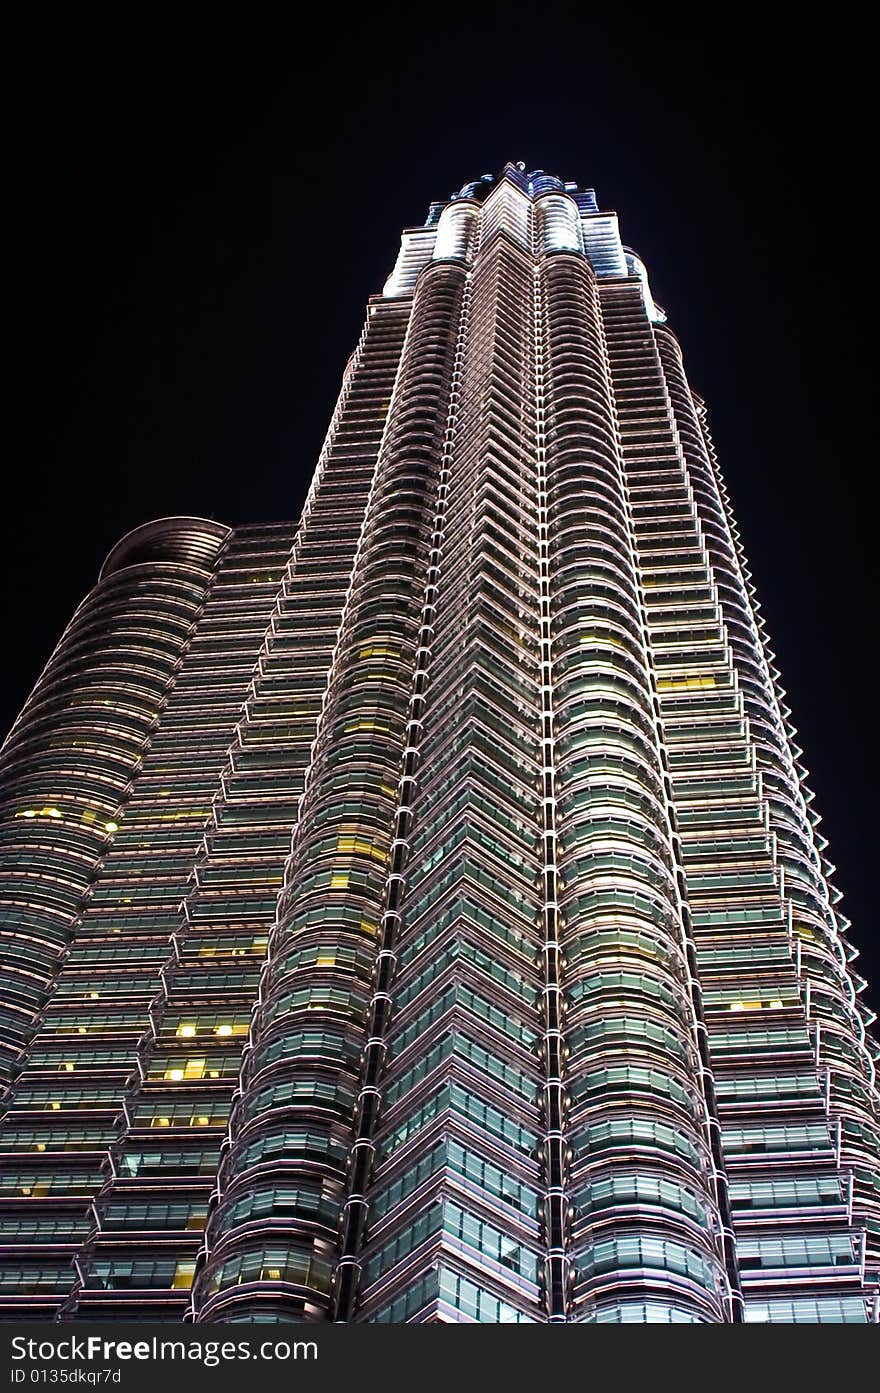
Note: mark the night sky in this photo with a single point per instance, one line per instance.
(206, 202)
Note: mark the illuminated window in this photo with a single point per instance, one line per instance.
(673, 684)
(183, 1276)
(186, 1030)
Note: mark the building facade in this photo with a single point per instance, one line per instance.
(417, 913)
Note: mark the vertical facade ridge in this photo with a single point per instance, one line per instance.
(455, 1233)
(846, 1078)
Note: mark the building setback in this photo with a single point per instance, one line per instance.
(417, 913)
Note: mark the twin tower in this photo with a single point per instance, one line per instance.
(417, 913)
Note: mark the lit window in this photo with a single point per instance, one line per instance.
(186, 1030)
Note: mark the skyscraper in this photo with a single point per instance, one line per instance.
(418, 913)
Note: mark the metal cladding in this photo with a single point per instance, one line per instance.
(417, 913)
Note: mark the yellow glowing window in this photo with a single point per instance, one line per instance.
(377, 651)
(223, 1030)
(196, 1221)
(200, 1120)
(82, 1030)
(745, 1005)
(326, 959)
(175, 1075)
(56, 1107)
(272, 1274)
(339, 881)
(240, 1029)
(111, 826)
(40, 1146)
(89, 815)
(370, 926)
(776, 1005)
(194, 1068)
(381, 726)
(94, 995)
(183, 1276)
(186, 1030)
(601, 638)
(161, 1122)
(388, 790)
(677, 684)
(69, 1066)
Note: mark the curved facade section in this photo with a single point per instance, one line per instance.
(819, 979)
(193, 541)
(69, 762)
(309, 1035)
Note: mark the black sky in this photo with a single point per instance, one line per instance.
(207, 200)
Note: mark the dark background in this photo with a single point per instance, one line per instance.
(207, 199)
